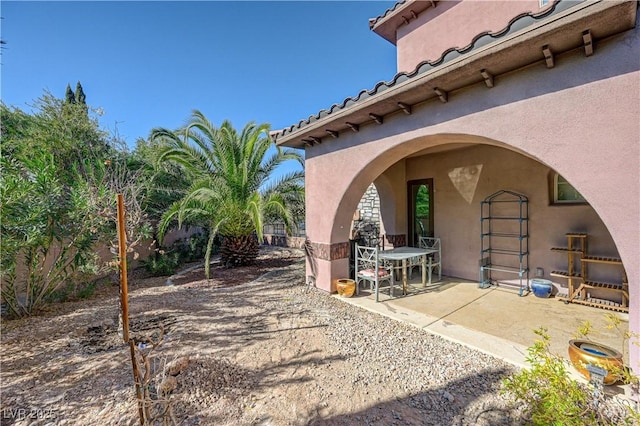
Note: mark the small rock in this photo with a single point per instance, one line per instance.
(446, 395)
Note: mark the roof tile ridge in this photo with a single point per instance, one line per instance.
(500, 33)
(425, 65)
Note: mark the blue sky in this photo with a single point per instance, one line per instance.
(149, 64)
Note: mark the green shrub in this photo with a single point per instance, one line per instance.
(46, 221)
(75, 291)
(162, 264)
(87, 290)
(551, 397)
(59, 175)
(193, 247)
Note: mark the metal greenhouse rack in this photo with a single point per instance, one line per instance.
(504, 239)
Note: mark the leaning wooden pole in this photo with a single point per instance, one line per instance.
(122, 244)
(136, 379)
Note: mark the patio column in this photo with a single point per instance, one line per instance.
(331, 263)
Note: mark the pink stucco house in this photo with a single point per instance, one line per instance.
(539, 97)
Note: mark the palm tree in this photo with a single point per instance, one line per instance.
(232, 188)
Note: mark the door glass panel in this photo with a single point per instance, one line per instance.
(420, 210)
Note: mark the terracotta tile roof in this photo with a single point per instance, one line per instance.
(374, 21)
(425, 68)
(387, 24)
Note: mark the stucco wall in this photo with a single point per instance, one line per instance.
(134, 260)
(438, 29)
(283, 241)
(464, 177)
(579, 118)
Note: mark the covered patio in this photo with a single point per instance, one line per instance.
(458, 310)
(547, 100)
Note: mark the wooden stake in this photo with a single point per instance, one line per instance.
(122, 244)
(136, 379)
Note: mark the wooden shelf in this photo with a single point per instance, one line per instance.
(600, 259)
(566, 250)
(597, 303)
(578, 283)
(610, 286)
(564, 274)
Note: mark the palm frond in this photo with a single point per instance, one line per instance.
(231, 172)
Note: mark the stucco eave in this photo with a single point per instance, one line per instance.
(401, 13)
(511, 51)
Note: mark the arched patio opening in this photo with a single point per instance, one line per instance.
(465, 169)
(577, 120)
(461, 163)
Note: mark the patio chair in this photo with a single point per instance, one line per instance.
(434, 260)
(371, 269)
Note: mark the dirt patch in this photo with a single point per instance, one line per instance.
(142, 329)
(229, 277)
(262, 349)
(69, 365)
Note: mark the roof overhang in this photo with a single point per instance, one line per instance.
(576, 26)
(401, 13)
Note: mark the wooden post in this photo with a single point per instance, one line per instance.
(122, 244)
(136, 379)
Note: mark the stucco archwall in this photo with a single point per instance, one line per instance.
(579, 118)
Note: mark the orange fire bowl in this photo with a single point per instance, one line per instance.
(584, 352)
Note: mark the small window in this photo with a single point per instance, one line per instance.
(565, 193)
(543, 3)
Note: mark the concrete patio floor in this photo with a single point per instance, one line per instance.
(495, 321)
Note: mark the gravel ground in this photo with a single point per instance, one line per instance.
(265, 350)
(413, 377)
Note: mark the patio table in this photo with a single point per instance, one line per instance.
(404, 254)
